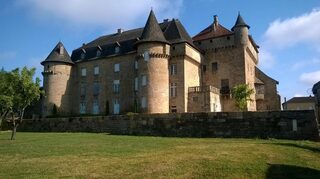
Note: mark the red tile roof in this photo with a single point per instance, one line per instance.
(213, 31)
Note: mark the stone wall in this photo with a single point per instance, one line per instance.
(281, 124)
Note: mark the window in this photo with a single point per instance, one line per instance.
(143, 102)
(173, 89)
(144, 80)
(214, 66)
(96, 70)
(136, 64)
(136, 83)
(173, 109)
(195, 99)
(83, 72)
(95, 106)
(98, 53)
(96, 88)
(173, 69)
(116, 86)
(146, 56)
(82, 56)
(204, 68)
(82, 107)
(83, 89)
(116, 67)
(225, 86)
(116, 106)
(117, 49)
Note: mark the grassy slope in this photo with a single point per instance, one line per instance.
(83, 155)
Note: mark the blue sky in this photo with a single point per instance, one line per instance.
(287, 31)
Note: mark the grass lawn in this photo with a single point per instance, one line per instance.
(88, 155)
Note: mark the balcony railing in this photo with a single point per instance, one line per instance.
(198, 89)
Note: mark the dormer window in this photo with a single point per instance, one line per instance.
(82, 56)
(61, 50)
(98, 53)
(146, 56)
(116, 49)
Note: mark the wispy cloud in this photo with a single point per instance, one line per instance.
(101, 13)
(266, 59)
(291, 31)
(310, 78)
(305, 63)
(7, 55)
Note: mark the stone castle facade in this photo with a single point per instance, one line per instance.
(158, 69)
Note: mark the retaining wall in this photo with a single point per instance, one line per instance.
(280, 124)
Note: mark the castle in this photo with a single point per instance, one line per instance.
(158, 69)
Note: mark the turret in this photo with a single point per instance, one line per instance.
(153, 73)
(241, 33)
(56, 81)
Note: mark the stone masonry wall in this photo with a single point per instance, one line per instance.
(281, 124)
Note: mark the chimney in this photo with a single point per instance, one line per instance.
(215, 20)
(120, 31)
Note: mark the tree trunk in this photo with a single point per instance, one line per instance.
(15, 124)
(14, 131)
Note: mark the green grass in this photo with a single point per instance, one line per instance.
(87, 155)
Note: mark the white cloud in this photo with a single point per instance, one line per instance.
(310, 78)
(101, 13)
(306, 63)
(288, 32)
(266, 59)
(298, 95)
(7, 55)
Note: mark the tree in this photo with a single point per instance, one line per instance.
(241, 93)
(18, 91)
(6, 95)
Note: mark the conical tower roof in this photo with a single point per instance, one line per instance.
(240, 23)
(58, 54)
(152, 31)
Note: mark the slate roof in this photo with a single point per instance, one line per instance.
(259, 72)
(152, 31)
(176, 33)
(212, 31)
(240, 23)
(58, 54)
(309, 99)
(316, 87)
(173, 32)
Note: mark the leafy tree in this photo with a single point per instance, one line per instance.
(18, 91)
(6, 95)
(241, 93)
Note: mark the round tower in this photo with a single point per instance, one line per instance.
(241, 31)
(56, 81)
(153, 73)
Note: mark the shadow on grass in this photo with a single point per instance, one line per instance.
(291, 172)
(306, 147)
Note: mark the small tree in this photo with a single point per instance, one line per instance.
(26, 91)
(241, 94)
